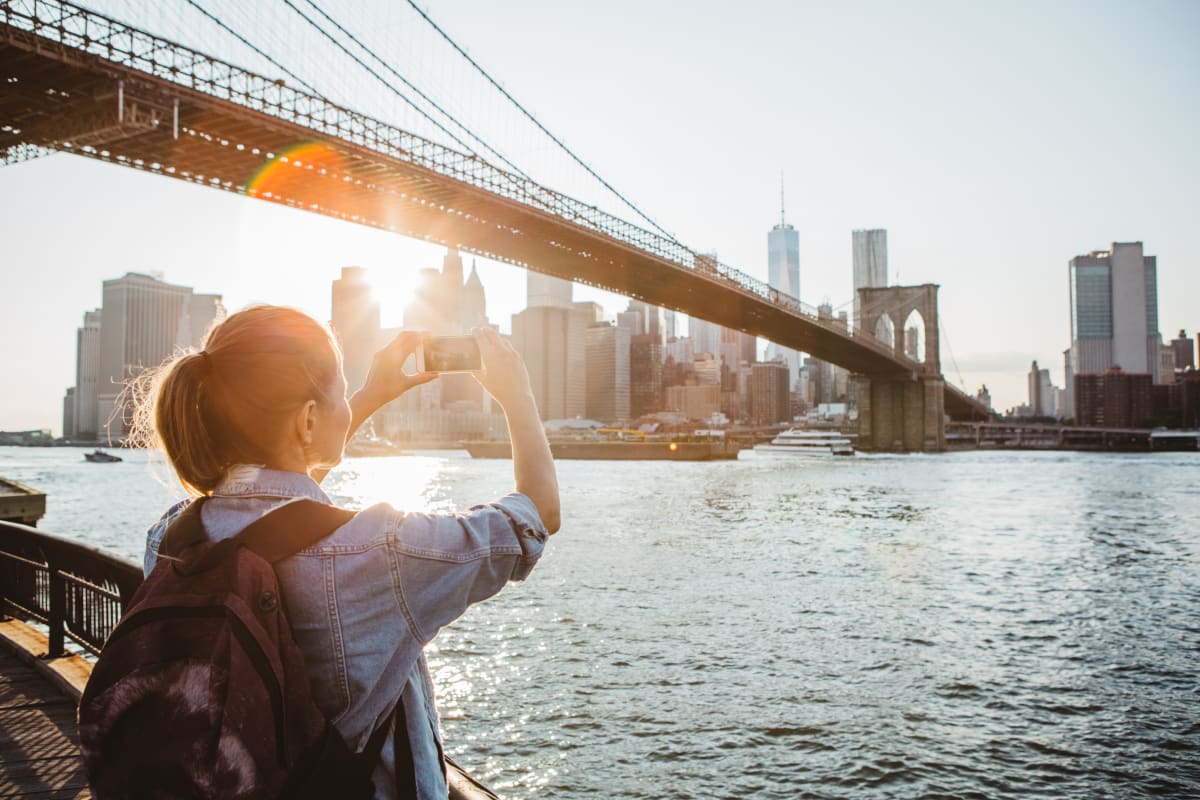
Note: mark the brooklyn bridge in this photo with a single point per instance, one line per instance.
(76, 81)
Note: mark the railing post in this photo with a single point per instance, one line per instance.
(58, 610)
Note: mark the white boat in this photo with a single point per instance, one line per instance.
(807, 443)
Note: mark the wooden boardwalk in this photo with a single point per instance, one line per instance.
(39, 748)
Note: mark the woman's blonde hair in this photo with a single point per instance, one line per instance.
(226, 404)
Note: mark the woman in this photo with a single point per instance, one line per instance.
(257, 419)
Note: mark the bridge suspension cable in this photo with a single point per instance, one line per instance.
(949, 349)
(544, 130)
(476, 137)
(249, 44)
(470, 150)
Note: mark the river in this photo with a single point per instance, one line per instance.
(968, 625)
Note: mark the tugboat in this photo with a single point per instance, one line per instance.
(101, 457)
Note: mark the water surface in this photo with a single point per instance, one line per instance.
(959, 626)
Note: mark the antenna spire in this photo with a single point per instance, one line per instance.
(782, 220)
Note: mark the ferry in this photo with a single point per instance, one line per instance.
(807, 443)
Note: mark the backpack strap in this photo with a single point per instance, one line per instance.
(274, 536)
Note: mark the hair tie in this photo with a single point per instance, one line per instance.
(206, 361)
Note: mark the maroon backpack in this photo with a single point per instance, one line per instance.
(201, 691)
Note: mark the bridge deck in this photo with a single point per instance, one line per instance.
(39, 748)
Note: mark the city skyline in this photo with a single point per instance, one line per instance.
(979, 175)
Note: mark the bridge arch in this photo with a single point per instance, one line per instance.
(895, 307)
(914, 336)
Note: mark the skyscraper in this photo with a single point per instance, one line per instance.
(549, 335)
(546, 290)
(87, 376)
(1114, 312)
(870, 265)
(783, 274)
(705, 335)
(1042, 393)
(608, 372)
(770, 400)
(1184, 355)
(355, 322)
(143, 321)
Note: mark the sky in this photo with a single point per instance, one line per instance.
(993, 141)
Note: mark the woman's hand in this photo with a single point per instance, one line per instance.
(503, 374)
(387, 379)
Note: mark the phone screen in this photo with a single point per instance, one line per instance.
(450, 354)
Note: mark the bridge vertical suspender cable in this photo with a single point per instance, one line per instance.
(247, 42)
(470, 150)
(544, 130)
(405, 81)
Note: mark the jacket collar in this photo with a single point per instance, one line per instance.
(249, 480)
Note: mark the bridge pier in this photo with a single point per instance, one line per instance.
(902, 415)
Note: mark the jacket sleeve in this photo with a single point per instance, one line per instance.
(448, 562)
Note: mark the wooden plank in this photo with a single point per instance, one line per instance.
(39, 746)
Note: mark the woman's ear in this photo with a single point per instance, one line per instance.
(306, 423)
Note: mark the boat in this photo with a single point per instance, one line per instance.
(795, 441)
(101, 457)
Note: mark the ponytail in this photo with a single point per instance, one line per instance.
(226, 404)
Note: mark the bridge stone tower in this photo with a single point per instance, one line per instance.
(903, 411)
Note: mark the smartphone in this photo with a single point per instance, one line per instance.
(448, 354)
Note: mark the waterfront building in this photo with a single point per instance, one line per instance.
(870, 264)
(1166, 363)
(1043, 397)
(738, 346)
(84, 421)
(645, 375)
(541, 335)
(547, 291)
(669, 325)
(143, 322)
(550, 334)
(706, 367)
(631, 321)
(653, 320)
(694, 401)
(984, 396)
(705, 336)
(1113, 398)
(607, 373)
(770, 393)
(681, 350)
(1114, 312)
(354, 318)
(1184, 355)
(68, 414)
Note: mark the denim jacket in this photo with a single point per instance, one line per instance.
(364, 601)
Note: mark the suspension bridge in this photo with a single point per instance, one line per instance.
(77, 81)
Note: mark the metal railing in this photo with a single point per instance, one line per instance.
(77, 590)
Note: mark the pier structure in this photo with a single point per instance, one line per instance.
(903, 411)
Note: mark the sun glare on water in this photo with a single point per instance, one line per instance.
(408, 483)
